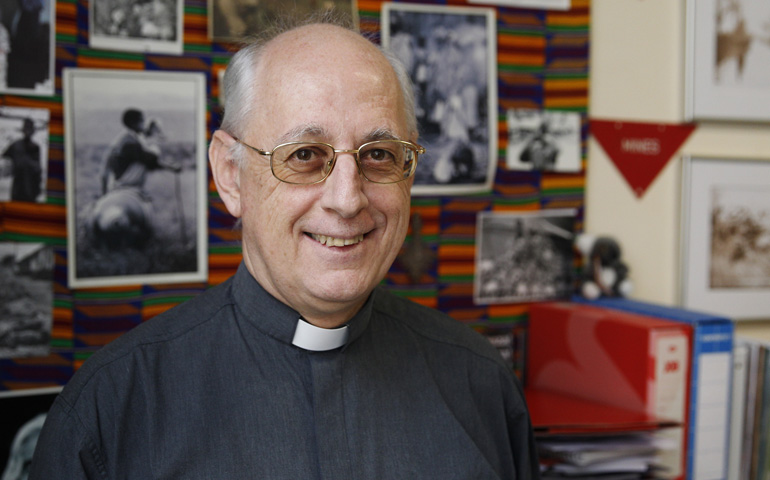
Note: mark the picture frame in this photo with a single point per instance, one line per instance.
(24, 162)
(450, 54)
(234, 20)
(136, 193)
(538, 4)
(22, 413)
(543, 140)
(524, 256)
(27, 36)
(26, 299)
(152, 27)
(725, 237)
(727, 75)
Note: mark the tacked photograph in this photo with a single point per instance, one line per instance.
(135, 153)
(26, 299)
(450, 55)
(154, 26)
(27, 30)
(524, 257)
(233, 20)
(543, 140)
(23, 154)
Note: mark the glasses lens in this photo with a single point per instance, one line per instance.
(301, 162)
(387, 161)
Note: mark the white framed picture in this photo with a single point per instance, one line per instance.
(539, 4)
(154, 26)
(135, 154)
(725, 241)
(234, 20)
(728, 60)
(543, 140)
(27, 47)
(524, 256)
(24, 154)
(451, 56)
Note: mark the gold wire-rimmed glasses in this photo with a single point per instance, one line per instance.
(307, 163)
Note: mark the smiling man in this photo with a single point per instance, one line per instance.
(299, 367)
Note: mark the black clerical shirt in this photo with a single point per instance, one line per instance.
(214, 389)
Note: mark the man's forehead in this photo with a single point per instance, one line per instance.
(317, 132)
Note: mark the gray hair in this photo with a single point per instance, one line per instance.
(240, 75)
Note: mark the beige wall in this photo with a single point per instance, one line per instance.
(637, 74)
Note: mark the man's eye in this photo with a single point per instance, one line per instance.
(304, 154)
(379, 155)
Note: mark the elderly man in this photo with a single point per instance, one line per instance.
(298, 367)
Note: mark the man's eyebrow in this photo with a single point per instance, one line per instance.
(303, 132)
(381, 134)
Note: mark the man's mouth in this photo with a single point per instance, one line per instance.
(336, 242)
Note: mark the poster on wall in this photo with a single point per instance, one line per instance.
(135, 153)
(27, 32)
(22, 414)
(26, 299)
(23, 154)
(524, 256)
(232, 20)
(543, 140)
(147, 26)
(728, 64)
(450, 55)
(539, 4)
(726, 237)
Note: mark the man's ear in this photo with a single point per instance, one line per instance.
(226, 171)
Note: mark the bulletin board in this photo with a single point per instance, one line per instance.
(542, 63)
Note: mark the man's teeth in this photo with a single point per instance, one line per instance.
(337, 242)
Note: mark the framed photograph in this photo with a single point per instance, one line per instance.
(27, 47)
(23, 154)
(451, 56)
(728, 60)
(524, 256)
(232, 20)
(26, 299)
(135, 155)
(22, 414)
(137, 26)
(543, 140)
(726, 237)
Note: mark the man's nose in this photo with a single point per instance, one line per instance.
(343, 188)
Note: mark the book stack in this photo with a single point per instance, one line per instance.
(630, 371)
(750, 413)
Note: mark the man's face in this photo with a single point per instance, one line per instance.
(322, 248)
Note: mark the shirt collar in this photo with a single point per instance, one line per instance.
(277, 319)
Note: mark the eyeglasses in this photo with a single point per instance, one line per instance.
(306, 163)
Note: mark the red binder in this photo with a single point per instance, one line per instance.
(626, 360)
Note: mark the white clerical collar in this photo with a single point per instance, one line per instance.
(319, 339)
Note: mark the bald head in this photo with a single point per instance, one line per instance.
(323, 50)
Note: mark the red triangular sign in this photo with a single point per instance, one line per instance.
(640, 150)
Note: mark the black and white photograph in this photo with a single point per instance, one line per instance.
(23, 154)
(728, 49)
(26, 299)
(154, 26)
(450, 55)
(726, 236)
(135, 154)
(524, 256)
(22, 414)
(27, 30)
(232, 20)
(539, 4)
(543, 140)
